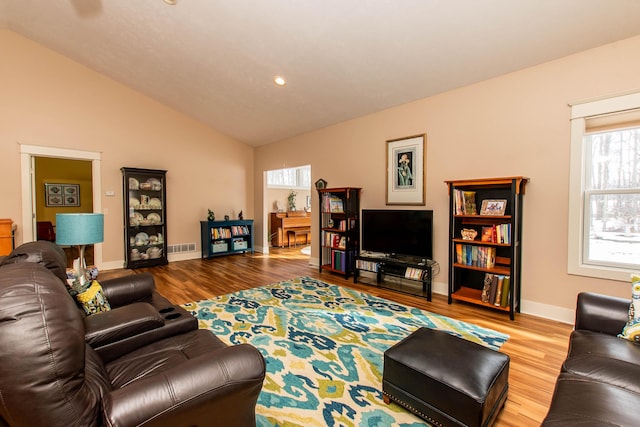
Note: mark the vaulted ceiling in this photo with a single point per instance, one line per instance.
(215, 60)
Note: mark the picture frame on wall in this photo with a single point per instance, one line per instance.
(62, 195)
(406, 158)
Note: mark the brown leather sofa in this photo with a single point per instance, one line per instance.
(599, 382)
(139, 315)
(50, 376)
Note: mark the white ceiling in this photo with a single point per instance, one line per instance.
(215, 59)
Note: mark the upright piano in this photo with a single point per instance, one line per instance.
(282, 222)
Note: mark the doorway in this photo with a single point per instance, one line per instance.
(32, 185)
(288, 210)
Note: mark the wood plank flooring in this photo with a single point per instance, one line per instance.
(536, 346)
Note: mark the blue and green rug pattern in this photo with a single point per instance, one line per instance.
(324, 345)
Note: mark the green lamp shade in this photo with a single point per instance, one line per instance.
(79, 228)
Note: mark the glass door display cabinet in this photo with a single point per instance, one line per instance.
(145, 217)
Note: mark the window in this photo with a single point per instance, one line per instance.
(604, 198)
(299, 177)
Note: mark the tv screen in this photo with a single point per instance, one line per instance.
(398, 232)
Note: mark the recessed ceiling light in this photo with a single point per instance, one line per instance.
(171, 2)
(279, 80)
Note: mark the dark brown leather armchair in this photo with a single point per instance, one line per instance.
(49, 375)
(139, 315)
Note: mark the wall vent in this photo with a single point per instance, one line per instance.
(181, 247)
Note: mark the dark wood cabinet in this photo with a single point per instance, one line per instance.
(485, 242)
(145, 217)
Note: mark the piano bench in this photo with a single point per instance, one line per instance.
(296, 232)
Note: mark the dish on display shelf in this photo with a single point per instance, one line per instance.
(155, 203)
(155, 184)
(136, 219)
(142, 239)
(154, 218)
(154, 252)
(135, 255)
(134, 184)
(134, 202)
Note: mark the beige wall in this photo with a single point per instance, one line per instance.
(516, 124)
(49, 100)
(281, 196)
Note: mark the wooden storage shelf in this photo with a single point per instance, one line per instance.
(468, 259)
(339, 229)
(480, 243)
(472, 295)
(494, 270)
(226, 237)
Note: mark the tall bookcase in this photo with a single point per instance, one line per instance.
(339, 229)
(485, 242)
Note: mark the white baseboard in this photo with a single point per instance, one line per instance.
(547, 311)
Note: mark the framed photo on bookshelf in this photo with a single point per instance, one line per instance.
(493, 207)
(405, 170)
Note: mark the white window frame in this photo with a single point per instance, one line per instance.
(299, 185)
(577, 178)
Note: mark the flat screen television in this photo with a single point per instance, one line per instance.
(398, 232)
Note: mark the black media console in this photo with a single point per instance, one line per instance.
(406, 268)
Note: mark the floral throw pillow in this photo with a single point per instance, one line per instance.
(92, 300)
(631, 330)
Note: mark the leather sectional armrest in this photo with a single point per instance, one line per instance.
(128, 289)
(601, 313)
(221, 387)
(119, 323)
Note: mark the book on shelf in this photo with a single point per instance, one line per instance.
(334, 240)
(506, 289)
(498, 233)
(341, 260)
(465, 202)
(332, 204)
(415, 273)
(238, 230)
(498, 297)
(362, 264)
(493, 289)
(486, 288)
(496, 289)
(220, 233)
(476, 256)
(487, 234)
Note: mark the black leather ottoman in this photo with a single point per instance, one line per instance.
(446, 380)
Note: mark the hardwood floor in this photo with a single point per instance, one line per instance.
(536, 346)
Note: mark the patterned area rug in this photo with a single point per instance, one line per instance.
(324, 347)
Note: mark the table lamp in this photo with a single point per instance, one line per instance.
(80, 229)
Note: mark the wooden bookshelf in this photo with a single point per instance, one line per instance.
(471, 260)
(226, 237)
(339, 229)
